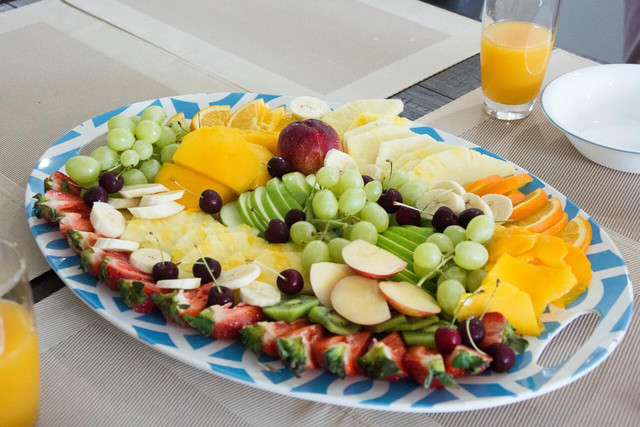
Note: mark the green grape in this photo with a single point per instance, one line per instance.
(167, 136)
(427, 255)
(155, 113)
(120, 139)
(107, 157)
(474, 279)
(135, 120)
(411, 191)
(83, 169)
(166, 154)
(480, 229)
(350, 179)
(88, 186)
(129, 158)
(376, 215)
(121, 122)
(346, 232)
(302, 232)
(471, 255)
(324, 204)
(448, 295)
(364, 230)
(148, 130)
(150, 169)
(327, 177)
(397, 179)
(421, 271)
(134, 177)
(443, 242)
(373, 190)
(315, 251)
(179, 127)
(143, 148)
(335, 249)
(455, 233)
(456, 273)
(352, 201)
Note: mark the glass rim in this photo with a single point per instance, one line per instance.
(7, 284)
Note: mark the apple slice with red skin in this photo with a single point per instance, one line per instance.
(359, 300)
(371, 261)
(323, 277)
(409, 299)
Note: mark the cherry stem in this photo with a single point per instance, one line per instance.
(208, 269)
(333, 222)
(159, 248)
(388, 180)
(186, 189)
(269, 268)
(473, 344)
(490, 298)
(455, 315)
(436, 270)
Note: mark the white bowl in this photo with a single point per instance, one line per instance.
(598, 108)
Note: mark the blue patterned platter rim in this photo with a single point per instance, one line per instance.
(610, 296)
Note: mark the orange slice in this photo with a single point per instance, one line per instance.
(516, 197)
(558, 226)
(530, 205)
(543, 219)
(251, 116)
(215, 115)
(577, 233)
(179, 116)
(505, 185)
(272, 119)
(286, 119)
(476, 185)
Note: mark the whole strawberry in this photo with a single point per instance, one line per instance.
(499, 330)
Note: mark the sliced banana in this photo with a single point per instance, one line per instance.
(474, 201)
(500, 205)
(156, 211)
(308, 107)
(161, 198)
(145, 258)
(116, 244)
(339, 160)
(240, 276)
(373, 171)
(260, 294)
(432, 200)
(107, 220)
(119, 203)
(131, 191)
(186, 284)
(448, 184)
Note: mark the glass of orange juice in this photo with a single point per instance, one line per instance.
(19, 362)
(517, 39)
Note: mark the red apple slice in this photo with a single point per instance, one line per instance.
(409, 299)
(371, 261)
(323, 277)
(359, 300)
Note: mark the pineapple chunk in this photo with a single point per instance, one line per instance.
(364, 147)
(392, 149)
(366, 118)
(420, 154)
(362, 129)
(342, 117)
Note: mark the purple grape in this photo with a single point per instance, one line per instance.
(200, 269)
(165, 271)
(292, 282)
(476, 330)
(443, 218)
(278, 166)
(293, 216)
(407, 216)
(277, 231)
(366, 179)
(447, 339)
(503, 357)
(388, 200)
(220, 296)
(111, 181)
(210, 202)
(95, 194)
(467, 215)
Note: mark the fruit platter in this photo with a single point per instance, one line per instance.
(336, 253)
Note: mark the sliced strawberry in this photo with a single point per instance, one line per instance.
(499, 330)
(464, 361)
(426, 367)
(180, 306)
(74, 221)
(294, 348)
(340, 354)
(81, 240)
(383, 361)
(53, 205)
(91, 260)
(224, 322)
(262, 336)
(139, 295)
(116, 266)
(61, 182)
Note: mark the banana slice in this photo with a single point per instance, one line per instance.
(186, 284)
(116, 244)
(240, 276)
(432, 200)
(448, 184)
(119, 203)
(107, 220)
(373, 171)
(339, 160)
(260, 294)
(308, 107)
(144, 259)
(156, 211)
(160, 198)
(500, 205)
(474, 201)
(131, 191)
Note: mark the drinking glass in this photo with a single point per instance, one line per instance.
(19, 362)
(517, 39)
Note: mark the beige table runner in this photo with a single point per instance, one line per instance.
(336, 49)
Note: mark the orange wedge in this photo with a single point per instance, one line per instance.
(476, 185)
(530, 205)
(505, 185)
(256, 115)
(179, 116)
(215, 115)
(543, 219)
(286, 119)
(577, 233)
(516, 197)
(272, 119)
(558, 226)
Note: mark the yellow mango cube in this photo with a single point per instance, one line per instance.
(581, 269)
(175, 177)
(268, 139)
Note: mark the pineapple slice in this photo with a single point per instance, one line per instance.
(360, 130)
(342, 117)
(281, 261)
(392, 149)
(459, 164)
(418, 155)
(364, 147)
(366, 118)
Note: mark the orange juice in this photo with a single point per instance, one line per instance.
(513, 59)
(19, 366)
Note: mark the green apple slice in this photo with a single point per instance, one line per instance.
(273, 193)
(256, 217)
(288, 198)
(269, 207)
(230, 216)
(255, 202)
(243, 210)
(297, 185)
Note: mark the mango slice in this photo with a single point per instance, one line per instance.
(169, 173)
(550, 251)
(581, 269)
(264, 155)
(268, 140)
(513, 241)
